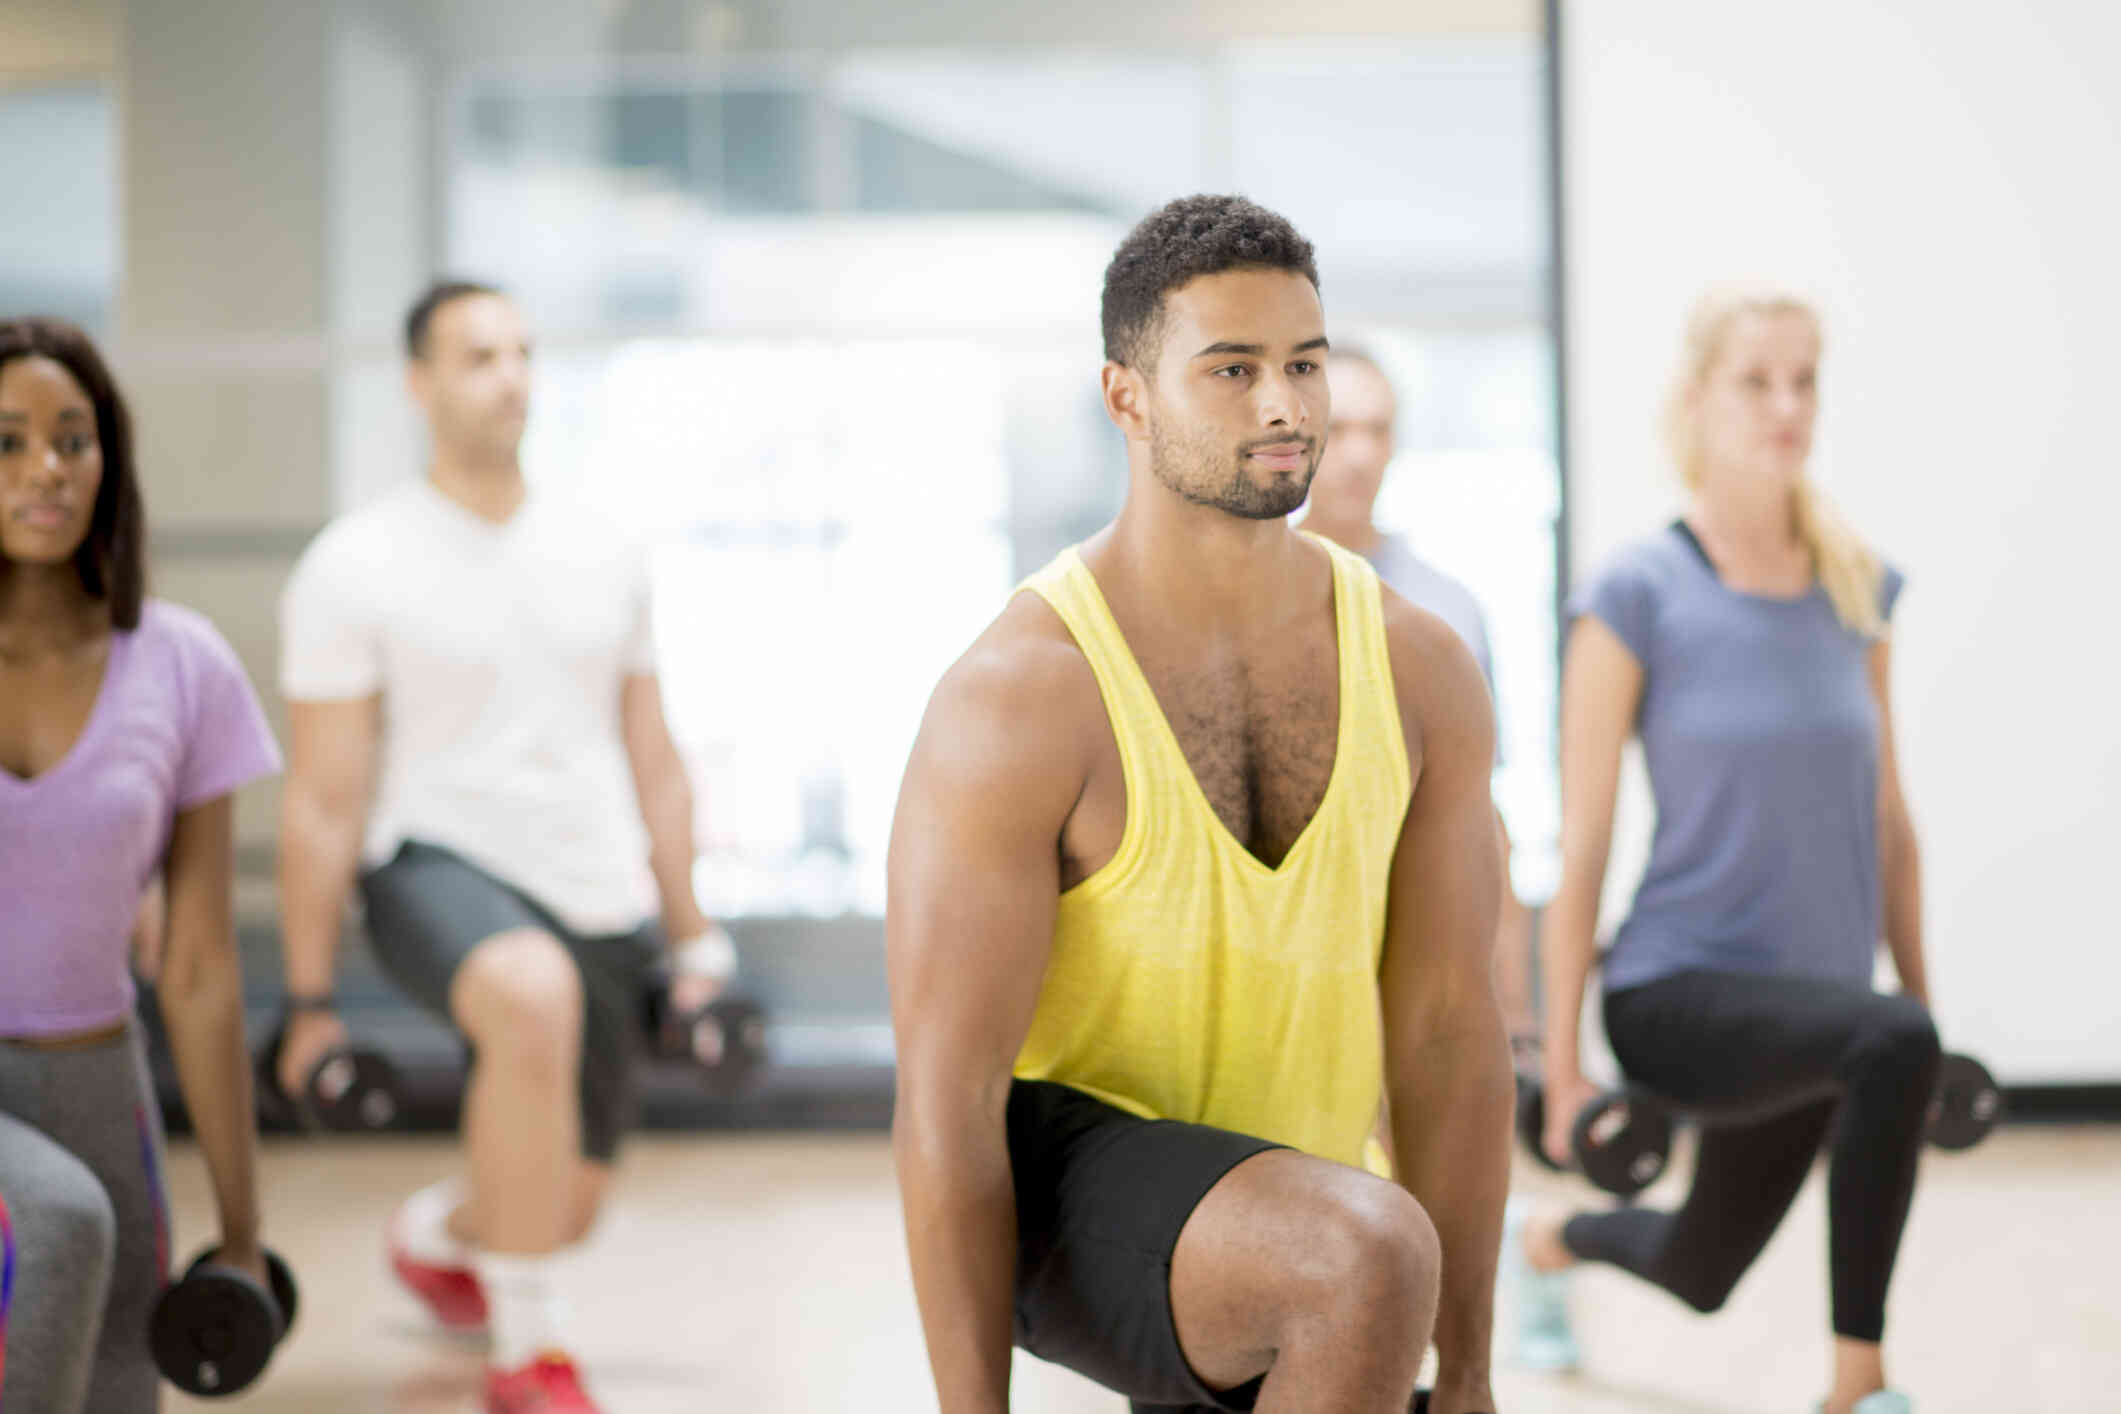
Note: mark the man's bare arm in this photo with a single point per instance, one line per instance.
(1447, 1051)
(974, 878)
(664, 792)
(331, 762)
(332, 751)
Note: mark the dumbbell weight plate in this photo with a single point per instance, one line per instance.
(214, 1331)
(285, 1295)
(1621, 1144)
(353, 1089)
(1966, 1105)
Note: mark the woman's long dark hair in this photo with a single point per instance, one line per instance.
(112, 560)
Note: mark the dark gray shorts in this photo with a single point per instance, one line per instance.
(428, 908)
(1101, 1197)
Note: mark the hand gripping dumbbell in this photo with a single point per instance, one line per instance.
(1966, 1106)
(724, 1042)
(214, 1330)
(350, 1088)
(1621, 1141)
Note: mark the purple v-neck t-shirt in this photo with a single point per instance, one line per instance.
(175, 724)
(1760, 730)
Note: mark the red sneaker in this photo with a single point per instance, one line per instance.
(451, 1293)
(549, 1384)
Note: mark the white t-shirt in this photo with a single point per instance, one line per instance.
(499, 651)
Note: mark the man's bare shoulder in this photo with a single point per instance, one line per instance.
(1437, 679)
(1021, 699)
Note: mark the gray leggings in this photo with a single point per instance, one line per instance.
(82, 1197)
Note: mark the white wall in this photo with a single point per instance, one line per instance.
(1941, 176)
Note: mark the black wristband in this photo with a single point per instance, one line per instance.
(299, 1001)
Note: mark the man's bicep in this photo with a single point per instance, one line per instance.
(1446, 882)
(974, 883)
(332, 749)
(331, 635)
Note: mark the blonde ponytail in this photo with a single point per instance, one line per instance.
(1847, 570)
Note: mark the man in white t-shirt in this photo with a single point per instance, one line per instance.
(477, 741)
(1351, 471)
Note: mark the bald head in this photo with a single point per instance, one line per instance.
(1358, 438)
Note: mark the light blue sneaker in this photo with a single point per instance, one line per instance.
(1544, 1342)
(1885, 1401)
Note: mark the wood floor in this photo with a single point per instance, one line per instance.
(767, 1275)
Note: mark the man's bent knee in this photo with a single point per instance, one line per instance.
(520, 993)
(1378, 1257)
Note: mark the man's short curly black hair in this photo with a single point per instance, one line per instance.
(419, 320)
(1181, 240)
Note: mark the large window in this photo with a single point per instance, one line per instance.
(828, 331)
(58, 165)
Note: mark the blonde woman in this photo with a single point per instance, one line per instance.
(1746, 645)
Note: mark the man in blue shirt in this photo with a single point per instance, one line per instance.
(1351, 472)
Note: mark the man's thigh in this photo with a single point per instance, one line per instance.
(1101, 1198)
(1166, 1261)
(427, 911)
(615, 975)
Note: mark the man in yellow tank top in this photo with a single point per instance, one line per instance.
(1193, 859)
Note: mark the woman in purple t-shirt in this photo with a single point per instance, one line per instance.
(125, 726)
(1746, 645)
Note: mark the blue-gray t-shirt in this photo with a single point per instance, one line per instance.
(1760, 731)
(1427, 587)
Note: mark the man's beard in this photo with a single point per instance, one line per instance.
(1207, 475)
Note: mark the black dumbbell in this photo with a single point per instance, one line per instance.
(1621, 1141)
(1966, 1106)
(214, 1330)
(724, 1041)
(350, 1088)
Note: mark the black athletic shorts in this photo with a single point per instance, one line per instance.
(1101, 1196)
(428, 908)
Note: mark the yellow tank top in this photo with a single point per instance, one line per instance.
(1190, 981)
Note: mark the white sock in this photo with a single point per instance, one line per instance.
(423, 1225)
(525, 1310)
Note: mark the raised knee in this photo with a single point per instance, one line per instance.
(521, 995)
(1707, 1298)
(1378, 1256)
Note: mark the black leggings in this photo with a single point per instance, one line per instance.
(1768, 1064)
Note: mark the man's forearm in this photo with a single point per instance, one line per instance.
(666, 813)
(1451, 1121)
(960, 1206)
(319, 855)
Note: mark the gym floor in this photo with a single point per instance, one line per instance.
(766, 1273)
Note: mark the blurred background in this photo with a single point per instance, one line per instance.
(815, 288)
